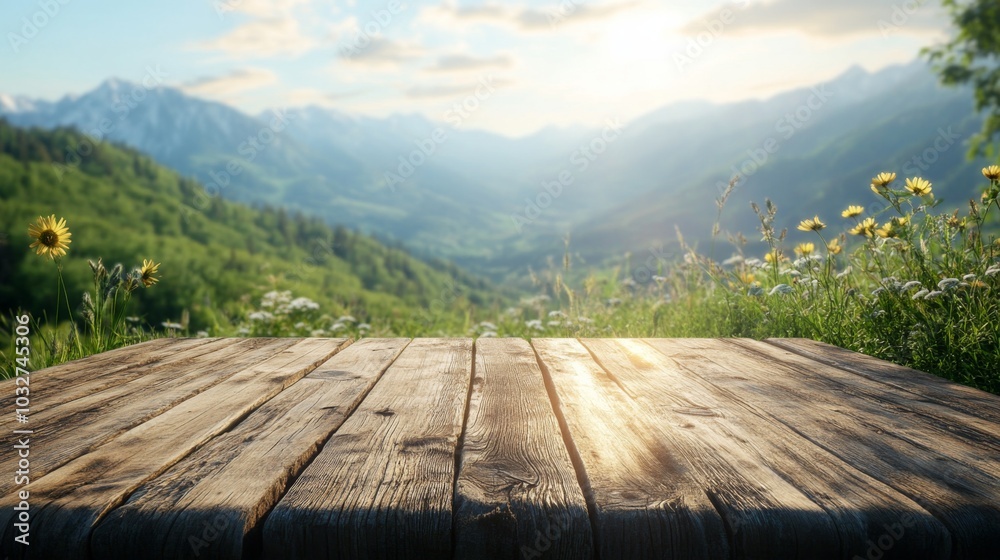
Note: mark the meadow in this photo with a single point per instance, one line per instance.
(903, 281)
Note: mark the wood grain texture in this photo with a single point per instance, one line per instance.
(51, 385)
(964, 498)
(968, 400)
(644, 500)
(233, 481)
(382, 486)
(517, 493)
(966, 437)
(96, 379)
(98, 417)
(70, 500)
(857, 506)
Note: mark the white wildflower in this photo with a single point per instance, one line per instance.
(948, 283)
(262, 316)
(303, 304)
(781, 289)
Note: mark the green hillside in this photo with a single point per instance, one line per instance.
(123, 207)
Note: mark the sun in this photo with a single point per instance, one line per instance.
(638, 36)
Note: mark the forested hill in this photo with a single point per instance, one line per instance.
(122, 206)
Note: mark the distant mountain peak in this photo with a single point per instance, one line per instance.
(112, 84)
(7, 103)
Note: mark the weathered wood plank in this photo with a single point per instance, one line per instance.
(938, 389)
(382, 486)
(765, 461)
(964, 497)
(210, 504)
(95, 380)
(50, 384)
(967, 438)
(517, 494)
(643, 498)
(77, 427)
(72, 499)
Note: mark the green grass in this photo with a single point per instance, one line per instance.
(909, 284)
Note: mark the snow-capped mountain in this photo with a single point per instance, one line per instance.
(455, 191)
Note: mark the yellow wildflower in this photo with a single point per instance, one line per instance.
(992, 172)
(866, 227)
(852, 211)
(805, 249)
(883, 179)
(887, 230)
(147, 273)
(814, 224)
(51, 236)
(834, 247)
(918, 186)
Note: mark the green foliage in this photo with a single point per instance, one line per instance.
(122, 207)
(971, 58)
(919, 288)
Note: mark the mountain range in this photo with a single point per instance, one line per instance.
(495, 204)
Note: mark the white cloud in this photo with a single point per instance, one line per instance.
(264, 38)
(230, 84)
(379, 50)
(262, 9)
(522, 18)
(463, 63)
(830, 19)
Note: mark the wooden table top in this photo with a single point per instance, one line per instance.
(501, 448)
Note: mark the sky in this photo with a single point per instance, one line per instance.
(510, 67)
